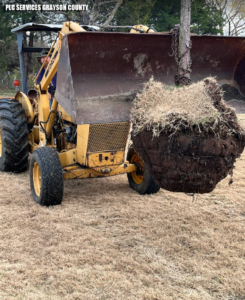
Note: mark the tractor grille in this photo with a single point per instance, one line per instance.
(108, 137)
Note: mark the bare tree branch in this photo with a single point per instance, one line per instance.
(94, 12)
(112, 14)
(106, 2)
(233, 13)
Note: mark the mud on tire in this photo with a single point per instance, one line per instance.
(46, 177)
(148, 184)
(14, 146)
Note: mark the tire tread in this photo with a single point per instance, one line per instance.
(15, 145)
(52, 185)
(148, 186)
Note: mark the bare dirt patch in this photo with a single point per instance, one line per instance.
(107, 242)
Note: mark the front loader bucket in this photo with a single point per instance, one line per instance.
(99, 74)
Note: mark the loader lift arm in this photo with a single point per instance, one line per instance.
(46, 114)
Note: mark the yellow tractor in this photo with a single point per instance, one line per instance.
(85, 133)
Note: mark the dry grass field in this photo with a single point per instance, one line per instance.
(107, 242)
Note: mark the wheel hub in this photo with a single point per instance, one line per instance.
(0, 143)
(37, 178)
(138, 174)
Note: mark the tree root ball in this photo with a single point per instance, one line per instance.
(190, 157)
(190, 164)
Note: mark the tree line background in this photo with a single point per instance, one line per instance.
(222, 17)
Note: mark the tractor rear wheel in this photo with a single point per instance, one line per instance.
(141, 180)
(14, 145)
(46, 177)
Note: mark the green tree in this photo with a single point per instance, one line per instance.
(134, 12)
(9, 60)
(165, 14)
(8, 44)
(206, 18)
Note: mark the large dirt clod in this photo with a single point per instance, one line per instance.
(185, 155)
(189, 164)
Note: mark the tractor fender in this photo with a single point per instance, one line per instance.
(26, 105)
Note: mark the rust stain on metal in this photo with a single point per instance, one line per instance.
(127, 57)
(141, 65)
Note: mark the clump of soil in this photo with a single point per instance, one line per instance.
(230, 93)
(188, 137)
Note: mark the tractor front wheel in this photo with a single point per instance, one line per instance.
(46, 177)
(141, 180)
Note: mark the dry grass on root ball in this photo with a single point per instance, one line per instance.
(188, 137)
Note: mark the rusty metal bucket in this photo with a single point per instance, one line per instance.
(99, 74)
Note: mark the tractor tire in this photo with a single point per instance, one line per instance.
(14, 145)
(142, 183)
(46, 177)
